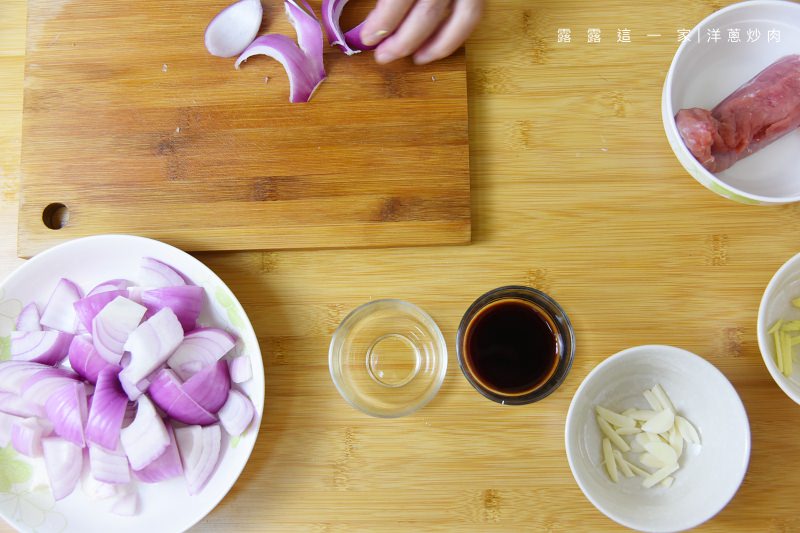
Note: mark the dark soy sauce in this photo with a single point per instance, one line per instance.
(511, 347)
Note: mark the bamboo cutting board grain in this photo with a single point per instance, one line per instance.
(132, 126)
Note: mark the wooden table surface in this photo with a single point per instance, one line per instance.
(576, 192)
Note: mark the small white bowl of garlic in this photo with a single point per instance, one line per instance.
(676, 430)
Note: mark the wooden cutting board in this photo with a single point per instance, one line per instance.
(130, 126)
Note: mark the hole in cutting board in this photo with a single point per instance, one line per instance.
(55, 216)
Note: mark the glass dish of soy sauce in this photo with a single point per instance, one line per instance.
(515, 345)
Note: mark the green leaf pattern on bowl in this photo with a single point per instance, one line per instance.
(12, 470)
(5, 348)
(225, 300)
(9, 311)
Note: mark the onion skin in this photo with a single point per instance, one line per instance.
(108, 409)
(146, 438)
(233, 28)
(67, 410)
(185, 301)
(166, 391)
(64, 462)
(46, 347)
(88, 307)
(28, 319)
(84, 359)
(59, 313)
(155, 274)
(167, 466)
(210, 387)
(199, 448)
(237, 413)
(199, 349)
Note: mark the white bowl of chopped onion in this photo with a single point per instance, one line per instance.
(779, 327)
(131, 388)
(657, 438)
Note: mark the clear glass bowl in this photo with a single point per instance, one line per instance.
(388, 358)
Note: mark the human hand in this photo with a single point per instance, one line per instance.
(427, 29)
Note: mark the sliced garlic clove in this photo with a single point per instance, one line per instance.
(611, 465)
(664, 453)
(622, 464)
(655, 405)
(638, 471)
(675, 440)
(663, 399)
(609, 432)
(615, 418)
(659, 475)
(650, 461)
(687, 430)
(667, 482)
(628, 431)
(660, 423)
(642, 415)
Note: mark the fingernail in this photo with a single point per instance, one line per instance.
(422, 59)
(382, 56)
(374, 38)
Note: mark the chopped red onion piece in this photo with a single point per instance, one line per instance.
(38, 388)
(14, 374)
(199, 448)
(87, 308)
(84, 359)
(331, 13)
(240, 368)
(354, 42)
(46, 347)
(28, 319)
(303, 75)
(167, 466)
(151, 344)
(133, 390)
(127, 503)
(237, 413)
(107, 410)
(234, 28)
(154, 274)
(6, 424)
(110, 285)
(309, 34)
(14, 404)
(209, 387)
(59, 314)
(26, 436)
(67, 411)
(146, 438)
(185, 301)
(167, 392)
(64, 462)
(108, 466)
(112, 326)
(135, 294)
(199, 349)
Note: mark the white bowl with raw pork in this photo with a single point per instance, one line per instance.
(29, 498)
(705, 71)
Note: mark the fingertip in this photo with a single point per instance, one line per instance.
(424, 58)
(383, 56)
(371, 38)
